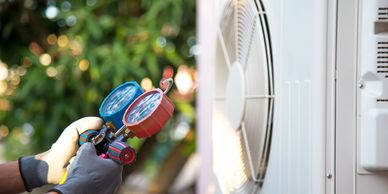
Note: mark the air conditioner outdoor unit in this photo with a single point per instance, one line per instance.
(293, 96)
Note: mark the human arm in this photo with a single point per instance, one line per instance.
(10, 179)
(50, 166)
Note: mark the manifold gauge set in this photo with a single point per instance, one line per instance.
(129, 112)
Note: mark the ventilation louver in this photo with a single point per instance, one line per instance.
(382, 13)
(382, 58)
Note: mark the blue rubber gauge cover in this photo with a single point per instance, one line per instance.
(113, 107)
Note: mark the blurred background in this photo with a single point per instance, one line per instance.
(59, 59)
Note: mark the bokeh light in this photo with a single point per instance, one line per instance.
(4, 131)
(3, 87)
(183, 80)
(26, 62)
(45, 59)
(146, 84)
(35, 48)
(30, 4)
(168, 72)
(90, 2)
(21, 71)
(3, 71)
(28, 129)
(51, 72)
(16, 80)
(76, 47)
(161, 41)
(194, 50)
(52, 39)
(71, 20)
(5, 105)
(51, 12)
(63, 40)
(65, 6)
(83, 65)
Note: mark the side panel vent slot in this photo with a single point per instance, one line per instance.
(382, 14)
(381, 17)
(382, 57)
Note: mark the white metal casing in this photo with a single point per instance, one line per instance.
(326, 139)
(297, 158)
(373, 81)
(297, 155)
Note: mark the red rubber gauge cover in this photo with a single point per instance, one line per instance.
(148, 113)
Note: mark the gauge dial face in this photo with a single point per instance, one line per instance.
(144, 107)
(118, 99)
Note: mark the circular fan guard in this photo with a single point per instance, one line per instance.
(244, 101)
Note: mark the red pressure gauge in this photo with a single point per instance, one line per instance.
(149, 112)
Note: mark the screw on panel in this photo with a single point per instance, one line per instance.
(361, 85)
(329, 175)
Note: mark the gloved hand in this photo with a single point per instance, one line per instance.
(90, 174)
(50, 166)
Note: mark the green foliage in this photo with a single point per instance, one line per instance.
(111, 42)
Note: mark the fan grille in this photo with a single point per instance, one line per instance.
(243, 37)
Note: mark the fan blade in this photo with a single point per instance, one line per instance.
(256, 130)
(256, 69)
(227, 152)
(246, 16)
(227, 30)
(221, 67)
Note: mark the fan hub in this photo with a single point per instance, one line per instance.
(235, 95)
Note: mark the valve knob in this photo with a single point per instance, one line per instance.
(121, 152)
(87, 136)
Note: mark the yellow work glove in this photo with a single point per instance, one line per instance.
(49, 167)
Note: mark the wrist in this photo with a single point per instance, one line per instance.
(33, 172)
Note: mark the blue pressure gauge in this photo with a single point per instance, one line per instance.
(113, 107)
